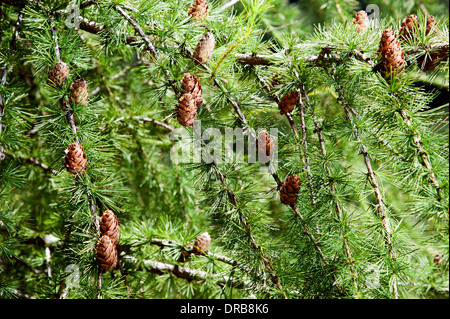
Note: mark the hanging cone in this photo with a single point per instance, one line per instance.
(75, 159)
(199, 10)
(361, 20)
(288, 102)
(392, 58)
(58, 74)
(187, 110)
(290, 189)
(106, 253)
(409, 27)
(191, 84)
(109, 226)
(79, 92)
(264, 145)
(204, 48)
(201, 244)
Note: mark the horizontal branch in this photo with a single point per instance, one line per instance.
(161, 268)
(147, 120)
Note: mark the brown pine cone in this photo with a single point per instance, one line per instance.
(361, 20)
(437, 258)
(431, 22)
(204, 48)
(191, 84)
(392, 57)
(201, 244)
(290, 189)
(79, 92)
(288, 102)
(187, 110)
(109, 226)
(264, 144)
(106, 253)
(388, 39)
(184, 256)
(75, 159)
(199, 10)
(429, 62)
(409, 27)
(58, 74)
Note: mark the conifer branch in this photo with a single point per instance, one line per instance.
(376, 189)
(305, 145)
(37, 163)
(422, 153)
(162, 268)
(148, 120)
(149, 45)
(4, 73)
(63, 102)
(277, 100)
(350, 260)
(231, 195)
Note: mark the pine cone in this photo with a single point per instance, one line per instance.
(429, 62)
(106, 253)
(187, 110)
(409, 27)
(288, 102)
(201, 244)
(392, 58)
(191, 84)
(79, 92)
(431, 22)
(361, 20)
(199, 10)
(264, 144)
(289, 190)
(109, 226)
(204, 48)
(437, 258)
(184, 256)
(58, 74)
(75, 159)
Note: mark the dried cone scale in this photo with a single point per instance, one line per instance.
(201, 244)
(361, 20)
(289, 190)
(187, 110)
(75, 159)
(392, 57)
(204, 48)
(106, 253)
(79, 92)
(58, 74)
(199, 10)
(288, 102)
(109, 226)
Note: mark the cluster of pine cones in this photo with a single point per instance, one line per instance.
(391, 56)
(75, 158)
(392, 63)
(106, 248)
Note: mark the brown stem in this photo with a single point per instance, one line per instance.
(422, 153)
(376, 189)
(350, 259)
